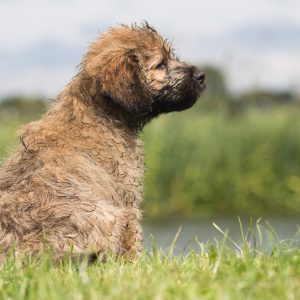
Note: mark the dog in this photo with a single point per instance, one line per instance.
(75, 180)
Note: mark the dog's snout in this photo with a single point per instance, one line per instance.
(200, 76)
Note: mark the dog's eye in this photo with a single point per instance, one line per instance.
(161, 65)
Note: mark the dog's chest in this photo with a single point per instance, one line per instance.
(107, 165)
(129, 177)
(124, 164)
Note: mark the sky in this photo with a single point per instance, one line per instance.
(256, 43)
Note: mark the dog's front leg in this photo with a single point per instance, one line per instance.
(132, 238)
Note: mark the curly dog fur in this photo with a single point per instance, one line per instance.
(76, 178)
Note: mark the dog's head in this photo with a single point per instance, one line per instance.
(137, 69)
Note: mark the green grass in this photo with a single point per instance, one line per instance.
(214, 272)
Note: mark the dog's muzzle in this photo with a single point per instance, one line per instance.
(199, 76)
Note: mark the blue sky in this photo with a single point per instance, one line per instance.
(256, 43)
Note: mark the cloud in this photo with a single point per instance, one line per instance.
(265, 36)
(41, 39)
(50, 54)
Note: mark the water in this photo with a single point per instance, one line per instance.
(163, 232)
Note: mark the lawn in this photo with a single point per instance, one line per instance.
(216, 271)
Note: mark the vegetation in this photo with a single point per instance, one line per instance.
(216, 271)
(227, 155)
(13, 113)
(214, 164)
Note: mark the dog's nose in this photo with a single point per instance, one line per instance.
(199, 76)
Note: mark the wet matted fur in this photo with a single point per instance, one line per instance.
(76, 178)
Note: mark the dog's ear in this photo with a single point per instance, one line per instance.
(122, 80)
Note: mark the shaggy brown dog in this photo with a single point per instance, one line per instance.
(76, 178)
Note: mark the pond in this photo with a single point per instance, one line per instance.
(203, 230)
